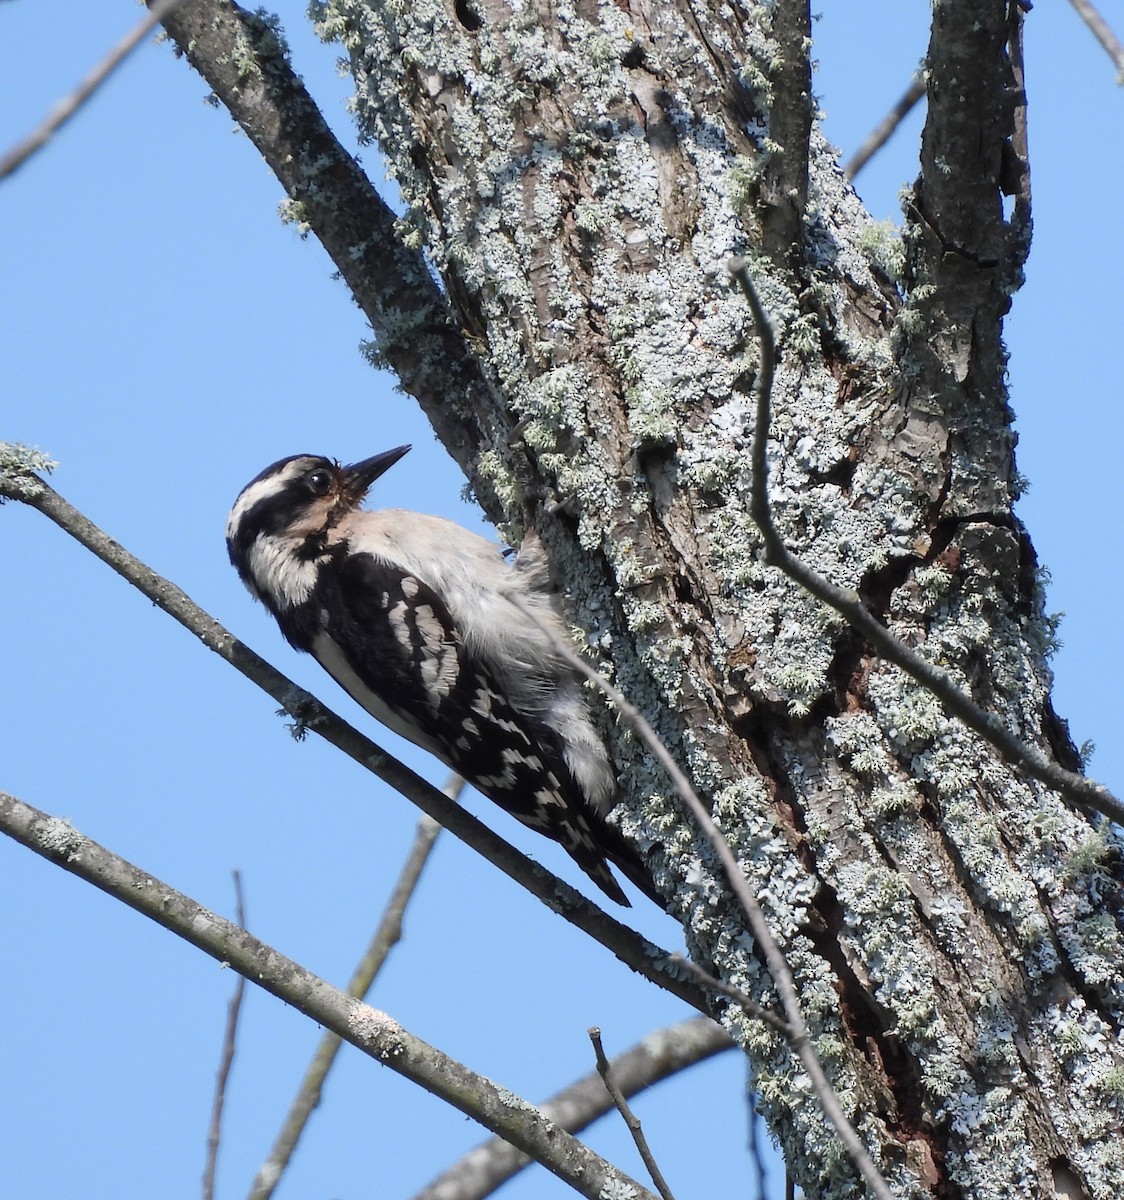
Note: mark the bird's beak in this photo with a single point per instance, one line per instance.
(358, 477)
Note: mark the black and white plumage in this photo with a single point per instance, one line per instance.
(412, 616)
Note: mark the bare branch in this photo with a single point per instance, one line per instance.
(375, 1033)
(886, 128)
(387, 935)
(797, 1037)
(16, 483)
(1103, 33)
(746, 1003)
(657, 1057)
(70, 105)
(965, 249)
(753, 1142)
(1086, 794)
(605, 1070)
(226, 1061)
(245, 62)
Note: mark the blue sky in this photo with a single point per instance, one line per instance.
(165, 336)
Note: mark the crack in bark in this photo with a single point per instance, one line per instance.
(899, 1101)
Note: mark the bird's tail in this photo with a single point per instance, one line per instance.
(627, 859)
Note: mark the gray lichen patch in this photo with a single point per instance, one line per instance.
(19, 462)
(581, 209)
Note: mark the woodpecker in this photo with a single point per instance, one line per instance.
(412, 615)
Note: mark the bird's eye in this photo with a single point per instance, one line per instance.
(319, 481)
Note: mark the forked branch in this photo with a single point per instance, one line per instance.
(1085, 793)
(375, 1033)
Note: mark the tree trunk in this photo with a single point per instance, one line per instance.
(580, 175)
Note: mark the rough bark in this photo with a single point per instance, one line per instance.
(580, 174)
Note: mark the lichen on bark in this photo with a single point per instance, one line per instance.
(580, 174)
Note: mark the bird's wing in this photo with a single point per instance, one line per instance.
(388, 640)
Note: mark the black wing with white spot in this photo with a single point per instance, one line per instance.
(390, 641)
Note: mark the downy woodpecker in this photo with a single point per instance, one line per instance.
(411, 615)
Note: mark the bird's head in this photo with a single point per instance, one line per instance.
(281, 517)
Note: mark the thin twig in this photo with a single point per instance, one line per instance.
(798, 1037)
(388, 933)
(226, 1061)
(657, 1057)
(18, 482)
(753, 1141)
(67, 107)
(605, 1070)
(886, 128)
(376, 1033)
(1086, 794)
(744, 1002)
(1103, 33)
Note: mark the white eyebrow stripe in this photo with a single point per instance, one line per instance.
(262, 489)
